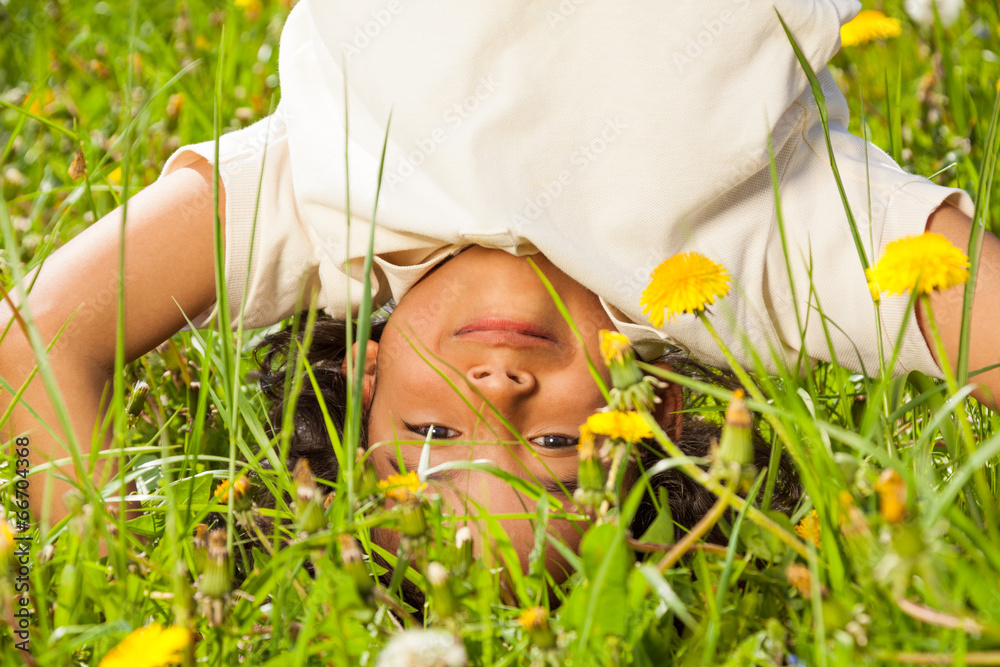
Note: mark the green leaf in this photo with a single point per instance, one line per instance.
(599, 607)
(661, 531)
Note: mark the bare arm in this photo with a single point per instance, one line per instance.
(169, 255)
(984, 343)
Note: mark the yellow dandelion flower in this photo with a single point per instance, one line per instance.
(239, 488)
(845, 498)
(852, 521)
(534, 618)
(685, 283)
(401, 488)
(627, 426)
(41, 101)
(868, 26)
(175, 105)
(809, 528)
(585, 445)
(149, 646)
(6, 536)
(615, 347)
(891, 488)
(930, 257)
(251, 8)
(115, 177)
(6, 546)
(201, 43)
(800, 578)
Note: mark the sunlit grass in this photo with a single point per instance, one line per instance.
(124, 82)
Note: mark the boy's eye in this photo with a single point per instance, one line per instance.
(436, 432)
(555, 441)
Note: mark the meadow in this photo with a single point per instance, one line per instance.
(890, 556)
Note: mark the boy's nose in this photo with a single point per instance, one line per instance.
(498, 382)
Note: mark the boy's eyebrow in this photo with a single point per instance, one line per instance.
(551, 486)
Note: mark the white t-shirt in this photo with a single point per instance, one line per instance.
(607, 136)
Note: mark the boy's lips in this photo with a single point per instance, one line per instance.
(506, 331)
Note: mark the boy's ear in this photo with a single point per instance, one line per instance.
(368, 384)
(671, 403)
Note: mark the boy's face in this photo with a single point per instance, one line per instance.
(482, 329)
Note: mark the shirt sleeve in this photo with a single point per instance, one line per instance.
(270, 260)
(830, 285)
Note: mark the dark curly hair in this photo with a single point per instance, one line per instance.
(689, 501)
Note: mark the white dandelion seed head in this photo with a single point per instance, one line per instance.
(437, 574)
(423, 648)
(922, 11)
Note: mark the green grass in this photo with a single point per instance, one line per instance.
(126, 81)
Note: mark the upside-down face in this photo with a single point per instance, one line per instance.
(474, 354)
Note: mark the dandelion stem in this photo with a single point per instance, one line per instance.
(699, 529)
(979, 475)
(611, 485)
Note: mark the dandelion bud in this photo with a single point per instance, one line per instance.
(463, 551)
(175, 105)
(111, 520)
(367, 482)
(535, 622)
(83, 523)
(631, 391)
(309, 516)
(443, 597)
(414, 522)
(78, 167)
(73, 502)
(354, 563)
(620, 359)
(737, 442)
(590, 490)
(200, 543)
(138, 399)
(215, 580)
(46, 553)
(404, 490)
(891, 490)
(800, 578)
